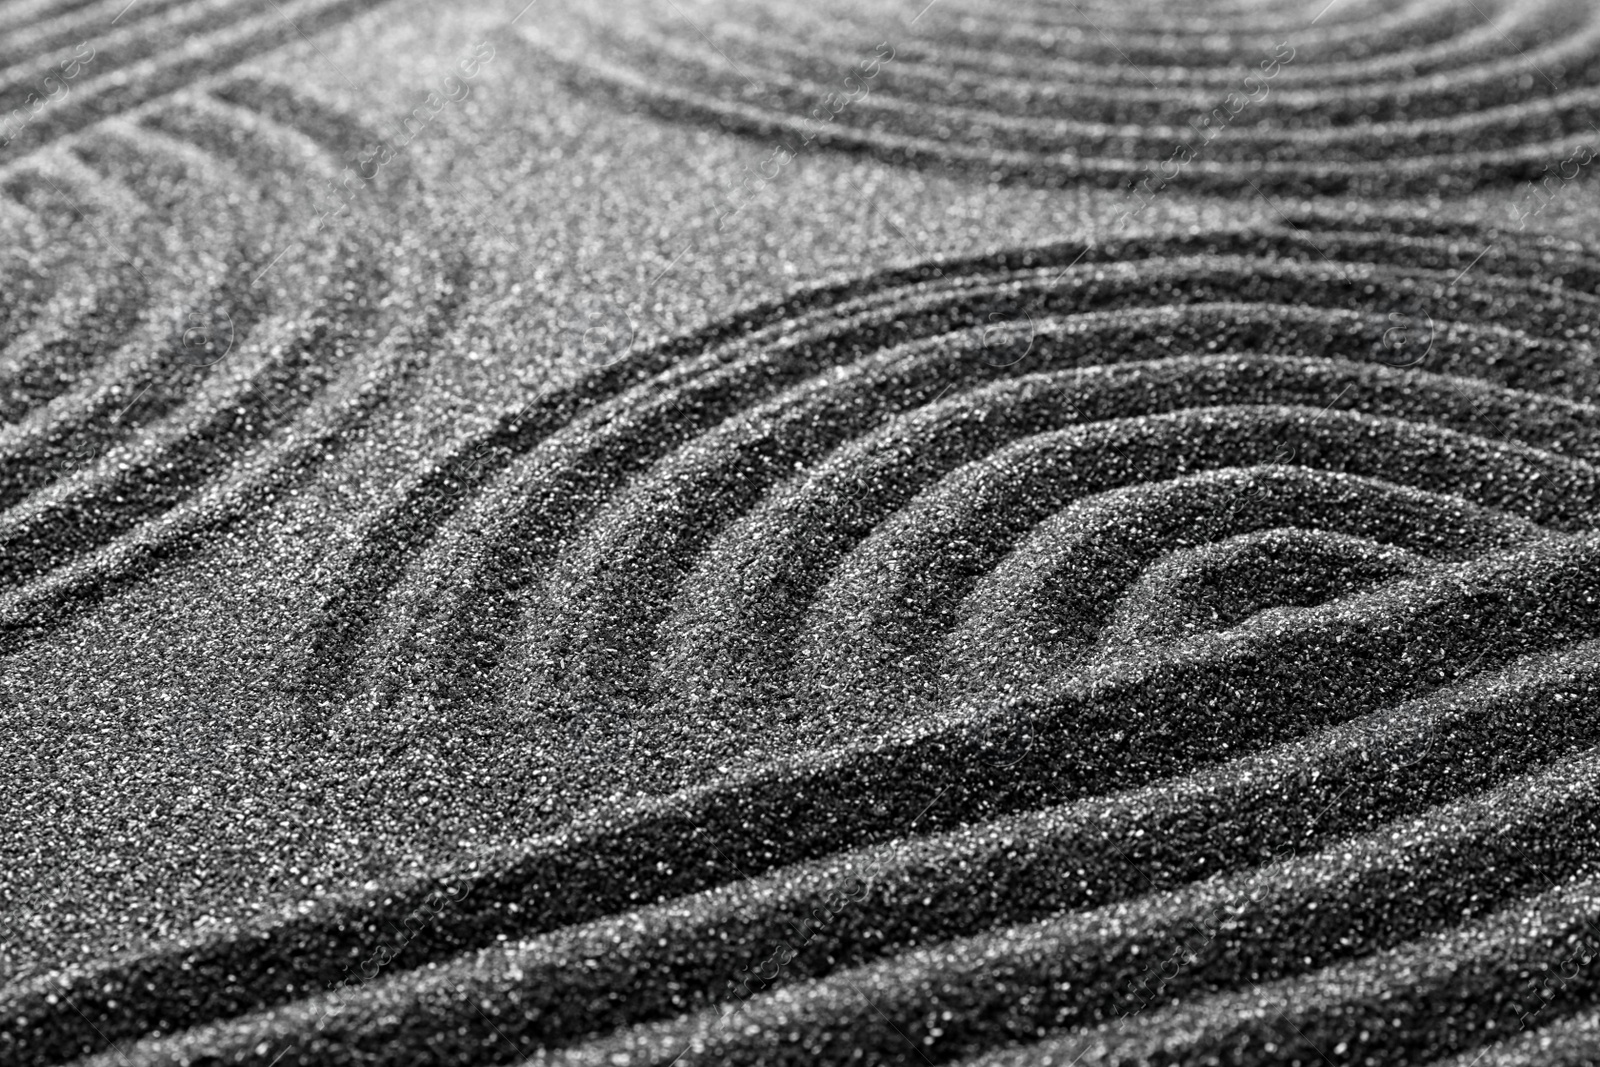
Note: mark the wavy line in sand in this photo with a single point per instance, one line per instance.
(125, 453)
(1367, 99)
(843, 535)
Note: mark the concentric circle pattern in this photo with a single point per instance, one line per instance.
(1176, 651)
(1305, 96)
(162, 380)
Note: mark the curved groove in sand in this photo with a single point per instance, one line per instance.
(1427, 96)
(1029, 570)
(137, 454)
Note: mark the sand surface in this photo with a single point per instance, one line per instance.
(683, 531)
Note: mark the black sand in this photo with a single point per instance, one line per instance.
(649, 575)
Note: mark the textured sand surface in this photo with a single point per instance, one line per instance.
(688, 532)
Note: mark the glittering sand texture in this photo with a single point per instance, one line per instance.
(714, 533)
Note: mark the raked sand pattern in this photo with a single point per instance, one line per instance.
(1370, 96)
(1166, 662)
(1182, 647)
(154, 391)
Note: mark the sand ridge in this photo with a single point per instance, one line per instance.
(1173, 646)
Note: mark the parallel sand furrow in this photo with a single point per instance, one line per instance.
(1561, 1041)
(130, 505)
(1451, 993)
(1107, 733)
(781, 529)
(572, 473)
(46, 529)
(695, 950)
(1055, 95)
(136, 63)
(1365, 895)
